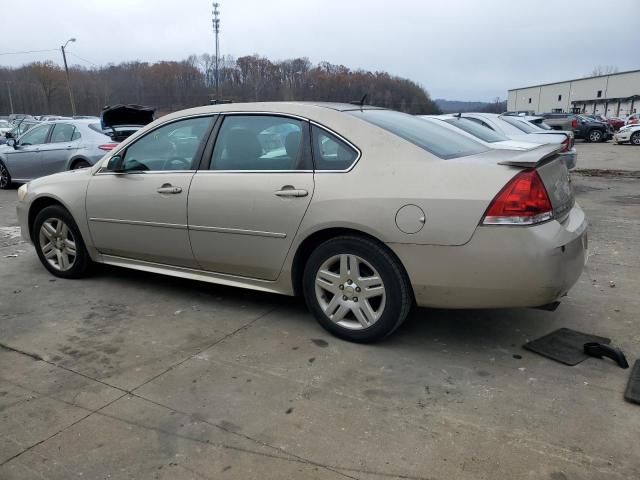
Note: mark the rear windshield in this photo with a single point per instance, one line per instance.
(477, 130)
(436, 139)
(520, 125)
(117, 134)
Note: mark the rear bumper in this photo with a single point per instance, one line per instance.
(570, 158)
(501, 266)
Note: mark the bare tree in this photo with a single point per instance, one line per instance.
(602, 70)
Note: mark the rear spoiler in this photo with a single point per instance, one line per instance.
(534, 157)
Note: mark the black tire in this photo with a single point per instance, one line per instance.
(81, 262)
(635, 139)
(594, 135)
(5, 177)
(398, 292)
(80, 164)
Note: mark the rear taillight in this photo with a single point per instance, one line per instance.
(107, 147)
(566, 145)
(523, 201)
(574, 123)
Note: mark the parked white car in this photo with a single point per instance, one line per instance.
(490, 138)
(628, 133)
(515, 129)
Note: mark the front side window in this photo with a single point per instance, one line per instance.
(171, 147)
(331, 153)
(261, 143)
(63, 132)
(436, 139)
(477, 130)
(36, 136)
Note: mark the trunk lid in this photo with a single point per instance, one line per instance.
(554, 174)
(125, 115)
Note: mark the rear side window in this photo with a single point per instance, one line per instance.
(63, 132)
(436, 139)
(331, 153)
(261, 143)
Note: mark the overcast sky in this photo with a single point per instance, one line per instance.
(456, 49)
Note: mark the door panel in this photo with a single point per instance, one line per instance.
(24, 163)
(129, 217)
(244, 223)
(55, 156)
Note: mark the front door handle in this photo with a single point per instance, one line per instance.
(168, 188)
(291, 191)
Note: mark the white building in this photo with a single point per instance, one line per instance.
(613, 95)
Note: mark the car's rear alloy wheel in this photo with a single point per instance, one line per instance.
(595, 136)
(59, 243)
(635, 138)
(80, 164)
(5, 177)
(356, 289)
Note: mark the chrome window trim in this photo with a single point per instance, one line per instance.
(142, 172)
(102, 171)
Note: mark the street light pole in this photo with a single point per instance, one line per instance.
(216, 30)
(10, 97)
(66, 69)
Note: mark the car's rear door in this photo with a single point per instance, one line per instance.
(248, 199)
(24, 162)
(141, 212)
(62, 144)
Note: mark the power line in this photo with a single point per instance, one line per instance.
(29, 51)
(83, 59)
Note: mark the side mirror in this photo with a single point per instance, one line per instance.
(12, 143)
(115, 164)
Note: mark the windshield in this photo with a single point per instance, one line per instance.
(436, 139)
(475, 129)
(519, 124)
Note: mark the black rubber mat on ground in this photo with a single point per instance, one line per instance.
(632, 393)
(564, 345)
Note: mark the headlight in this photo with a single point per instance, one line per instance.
(22, 192)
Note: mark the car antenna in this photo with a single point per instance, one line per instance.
(360, 102)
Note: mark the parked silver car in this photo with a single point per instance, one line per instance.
(52, 147)
(364, 211)
(515, 128)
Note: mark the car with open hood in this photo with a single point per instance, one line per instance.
(121, 121)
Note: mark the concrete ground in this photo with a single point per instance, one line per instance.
(608, 155)
(131, 375)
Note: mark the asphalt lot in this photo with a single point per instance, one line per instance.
(133, 375)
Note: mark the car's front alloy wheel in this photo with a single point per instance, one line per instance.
(635, 138)
(59, 243)
(356, 289)
(595, 136)
(5, 177)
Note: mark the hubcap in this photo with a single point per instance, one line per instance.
(4, 176)
(350, 291)
(635, 139)
(595, 136)
(57, 244)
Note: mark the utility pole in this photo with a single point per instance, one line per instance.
(216, 31)
(66, 69)
(10, 97)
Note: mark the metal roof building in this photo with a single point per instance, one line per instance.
(612, 95)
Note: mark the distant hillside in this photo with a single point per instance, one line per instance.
(455, 106)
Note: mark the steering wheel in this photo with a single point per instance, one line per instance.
(177, 163)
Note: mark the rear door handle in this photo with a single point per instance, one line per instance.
(290, 191)
(168, 188)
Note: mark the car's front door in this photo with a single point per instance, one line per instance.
(247, 202)
(140, 211)
(24, 162)
(55, 154)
